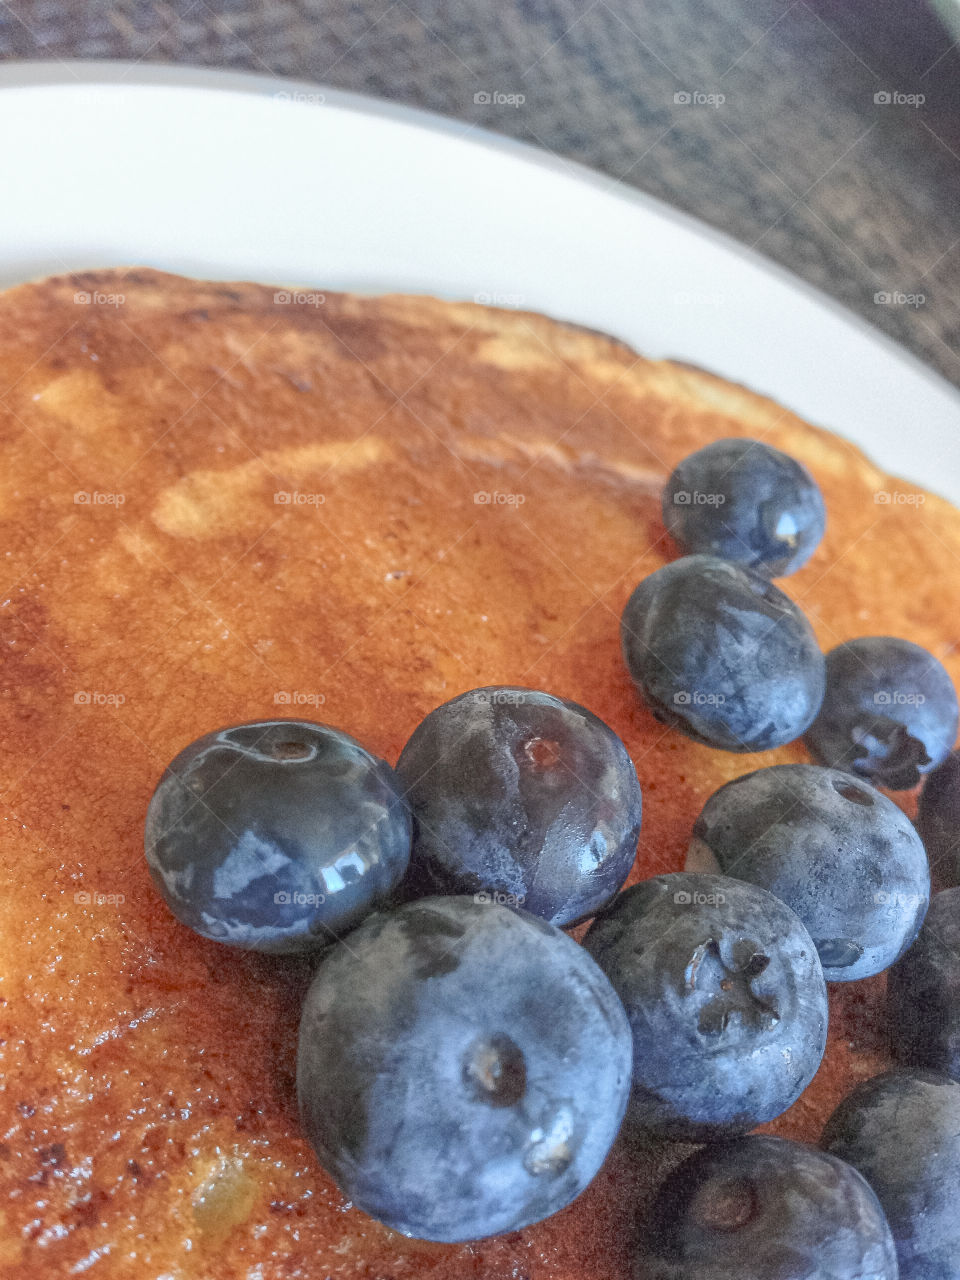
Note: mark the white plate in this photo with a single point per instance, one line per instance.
(223, 174)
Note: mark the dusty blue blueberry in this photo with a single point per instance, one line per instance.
(938, 821)
(721, 654)
(889, 712)
(902, 1131)
(276, 835)
(463, 1068)
(726, 1000)
(923, 992)
(841, 854)
(763, 1208)
(517, 793)
(745, 501)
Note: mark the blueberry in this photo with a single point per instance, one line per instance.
(726, 1001)
(889, 712)
(745, 501)
(463, 1068)
(723, 655)
(923, 992)
(842, 855)
(938, 820)
(763, 1208)
(276, 835)
(519, 793)
(902, 1131)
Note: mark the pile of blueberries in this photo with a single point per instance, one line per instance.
(464, 1065)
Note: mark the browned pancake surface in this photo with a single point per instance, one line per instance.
(147, 1114)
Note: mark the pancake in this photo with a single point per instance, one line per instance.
(223, 503)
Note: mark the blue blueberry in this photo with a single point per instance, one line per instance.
(276, 835)
(726, 1001)
(762, 1208)
(938, 820)
(842, 855)
(745, 501)
(902, 1131)
(463, 1068)
(518, 793)
(889, 712)
(723, 655)
(923, 992)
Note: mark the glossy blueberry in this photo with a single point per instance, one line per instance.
(889, 712)
(923, 992)
(723, 655)
(938, 820)
(726, 1001)
(463, 1068)
(763, 1208)
(518, 793)
(276, 835)
(745, 501)
(842, 855)
(902, 1131)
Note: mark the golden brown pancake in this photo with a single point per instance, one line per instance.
(477, 493)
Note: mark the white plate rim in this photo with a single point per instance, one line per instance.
(38, 75)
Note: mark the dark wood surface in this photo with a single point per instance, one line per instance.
(860, 197)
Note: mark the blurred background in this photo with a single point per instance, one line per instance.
(823, 133)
